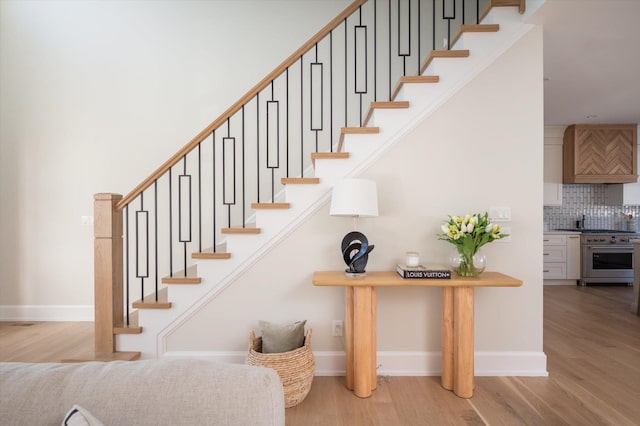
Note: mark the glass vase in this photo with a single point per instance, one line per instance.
(468, 265)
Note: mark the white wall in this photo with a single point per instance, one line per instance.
(482, 148)
(95, 95)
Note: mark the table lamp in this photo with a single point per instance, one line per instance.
(355, 198)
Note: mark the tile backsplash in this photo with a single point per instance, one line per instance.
(588, 200)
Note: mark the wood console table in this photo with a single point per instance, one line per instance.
(457, 324)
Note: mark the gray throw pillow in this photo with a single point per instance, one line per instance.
(278, 338)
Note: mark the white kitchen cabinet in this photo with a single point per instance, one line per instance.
(619, 194)
(561, 256)
(552, 170)
(573, 257)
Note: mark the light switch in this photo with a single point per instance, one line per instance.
(500, 214)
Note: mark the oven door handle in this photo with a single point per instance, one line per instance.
(611, 247)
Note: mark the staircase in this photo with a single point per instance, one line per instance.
(201, 271)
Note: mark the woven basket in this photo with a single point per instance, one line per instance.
(295, 367)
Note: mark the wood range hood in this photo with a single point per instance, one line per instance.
(600, 153)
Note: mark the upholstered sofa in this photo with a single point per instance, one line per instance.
(150, 392)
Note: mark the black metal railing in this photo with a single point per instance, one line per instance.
(272, 134)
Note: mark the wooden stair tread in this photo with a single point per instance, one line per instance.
(520, 4)
(132, 328)
(462, 53)
(390, 104)
(190, 276)
(479, 28)
(210, 254)
(474, 28)
(414, 79)
(240, 231)
(420, 79)
(328, 155)
(270, 206)
(106, 357)
(300, 181)
(384, 105)
(355, 131)
(149, 302)
(359, 130)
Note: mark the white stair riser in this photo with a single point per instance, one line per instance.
(503, 15)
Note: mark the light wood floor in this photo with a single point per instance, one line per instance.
(591, 340)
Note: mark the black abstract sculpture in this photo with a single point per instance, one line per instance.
(355, 252)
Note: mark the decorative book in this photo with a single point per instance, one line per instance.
(425, 272)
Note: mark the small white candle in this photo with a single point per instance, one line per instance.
(413, 260)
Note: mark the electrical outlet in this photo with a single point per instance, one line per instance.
(336, 328)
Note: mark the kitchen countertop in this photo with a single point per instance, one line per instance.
(563, 232)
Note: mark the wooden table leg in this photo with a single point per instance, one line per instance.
(463, 341)
(362, 322)
(348, 336)
(447, 338)
(374, 342)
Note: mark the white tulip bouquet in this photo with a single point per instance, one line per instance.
(468, 234)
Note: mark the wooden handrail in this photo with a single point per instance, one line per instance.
(242, 101)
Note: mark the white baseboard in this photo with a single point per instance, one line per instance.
(46, 313)
(331, 363)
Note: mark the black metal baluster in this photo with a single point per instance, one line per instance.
(257, 151)
(199, 200)
(286, 96)
(390, 56)
(185, 180)
(331, 91)
(229, 199)
(316, 107)
(213, 183)
(401, 52)
(136, 254)
(448, 18)
(301, 112)
(346, 88)
(155, 213)
(142, 220)
(269, 147)
(244, 194)
(170, 225)
(375, 50)
(419, 36)
(433, 23)
(463, 10)
(360, 35)
(126, 260)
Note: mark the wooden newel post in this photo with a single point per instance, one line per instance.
(107, 270)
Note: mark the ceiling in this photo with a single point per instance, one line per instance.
(591, 61)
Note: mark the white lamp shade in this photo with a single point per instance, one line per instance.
(354, 197)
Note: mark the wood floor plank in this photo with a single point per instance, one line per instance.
(45, 341)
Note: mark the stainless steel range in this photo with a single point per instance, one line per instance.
(606, 256)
